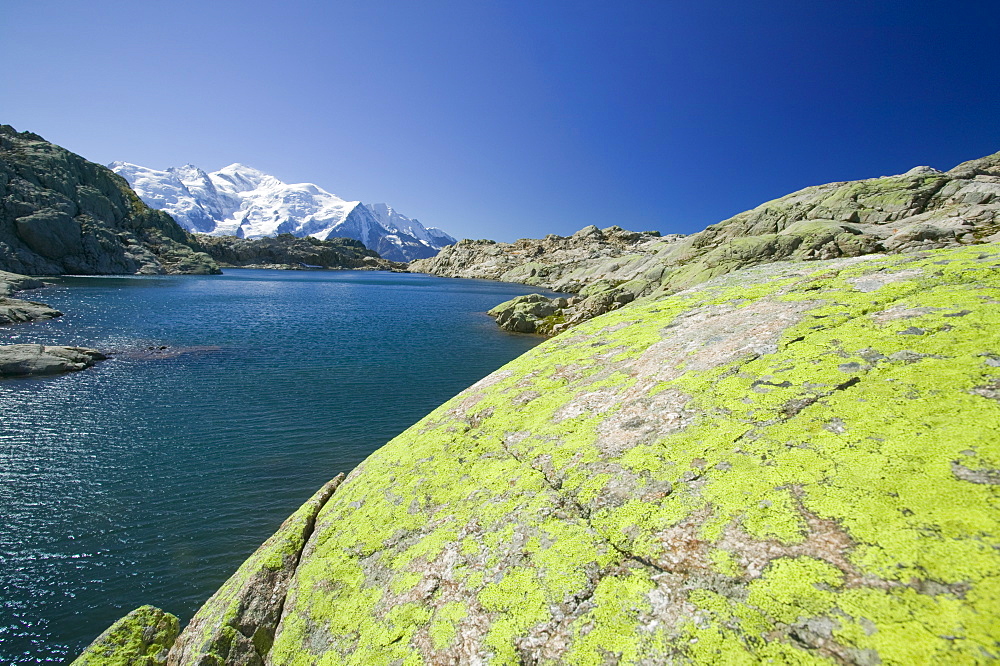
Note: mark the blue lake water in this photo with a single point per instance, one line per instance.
(149, 478)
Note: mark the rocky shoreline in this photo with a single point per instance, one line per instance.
(25, 360)
(32, 360)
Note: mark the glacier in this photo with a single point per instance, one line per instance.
(241, 201)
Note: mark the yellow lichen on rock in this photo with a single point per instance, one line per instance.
(795, 462)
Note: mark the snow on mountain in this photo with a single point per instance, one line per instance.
(241, 201)
(392, 219)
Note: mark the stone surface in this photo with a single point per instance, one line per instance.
(17, 311)
(237, 625)
(141, 638)
(761, 468)
(28, 360)
(11, 282)
(61, 214)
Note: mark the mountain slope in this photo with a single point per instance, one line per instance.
(60, 213)
(241, 201)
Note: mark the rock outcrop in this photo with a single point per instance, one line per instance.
(60, 214)
(560, 263)
(291, 252)
(792, 463)
(141, 638)
(28, 360)
(919, 210)
(17, 311)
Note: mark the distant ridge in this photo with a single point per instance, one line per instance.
(241, 201)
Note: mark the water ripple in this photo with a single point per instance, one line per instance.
(150, 477)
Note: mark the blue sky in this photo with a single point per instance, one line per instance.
(506, 119)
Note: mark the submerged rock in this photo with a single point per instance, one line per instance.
(27, 360)
(758, 469)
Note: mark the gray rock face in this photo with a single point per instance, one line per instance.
(28, 360)
(61, 214)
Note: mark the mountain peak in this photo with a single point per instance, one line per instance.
(239, 200)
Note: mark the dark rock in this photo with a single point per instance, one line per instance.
(290, 252)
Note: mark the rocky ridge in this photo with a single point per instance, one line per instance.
(791, 463)
(286, 251)
(919, 210)
(61, 214)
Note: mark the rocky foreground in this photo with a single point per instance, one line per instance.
(796, 463)
(32, 359)
(920, 210)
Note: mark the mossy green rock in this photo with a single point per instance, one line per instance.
(796, 463)
(141, 638)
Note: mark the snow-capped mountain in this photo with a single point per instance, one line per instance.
(241, 201)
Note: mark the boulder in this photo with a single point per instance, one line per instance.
(26, 360)
(141, 638)
(51, 233)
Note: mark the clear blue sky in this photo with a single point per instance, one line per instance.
(508, 118)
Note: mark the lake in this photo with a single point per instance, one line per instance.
(151, 477)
